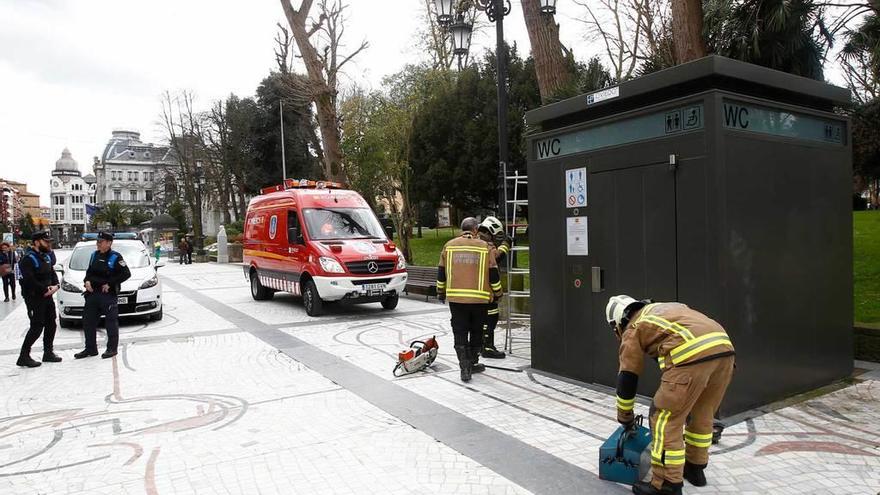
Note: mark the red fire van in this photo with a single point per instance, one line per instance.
(320, 241)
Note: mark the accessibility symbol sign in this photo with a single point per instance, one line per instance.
(576, 188)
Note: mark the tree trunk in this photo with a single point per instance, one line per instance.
(323, 93)
(687, 30)
(550, 68)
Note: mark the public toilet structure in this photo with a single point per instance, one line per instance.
(720, 184)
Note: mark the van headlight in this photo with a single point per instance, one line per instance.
(150, 282)
(401, 262)
(69, 287)
(330, 265)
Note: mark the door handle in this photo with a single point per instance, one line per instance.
(598, 278)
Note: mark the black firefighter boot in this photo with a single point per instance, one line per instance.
(476, 365)
(694, 474)
(489, 350)
(464, 362)
(646, 488)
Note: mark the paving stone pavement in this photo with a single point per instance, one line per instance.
(201, 403)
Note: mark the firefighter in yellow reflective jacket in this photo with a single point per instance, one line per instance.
(468, 278)
(492, 231)
(696, 359)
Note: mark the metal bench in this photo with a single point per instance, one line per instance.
(421, 280)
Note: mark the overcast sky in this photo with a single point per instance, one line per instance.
(71, 71)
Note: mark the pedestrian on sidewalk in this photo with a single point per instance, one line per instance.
(182, 249)
(7, 269)
(38, 283)
(157, 250)
(468, 277)
(696, 359)
(107, 270)
(189, 251)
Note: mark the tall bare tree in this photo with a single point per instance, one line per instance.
(184, 130)
(687, 30)
(553, 73)
(319, 41)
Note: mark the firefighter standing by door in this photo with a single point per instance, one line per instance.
(492, 231)
(696, 359)
(468, 277)
(38, 283)
(107, 270)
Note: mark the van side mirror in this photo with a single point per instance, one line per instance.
(59, 268)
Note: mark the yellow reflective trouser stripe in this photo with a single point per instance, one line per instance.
(626, 404)
(703, 440)
(659, 436)
(673, 457)
(496, 286)
(698, 345)
(441, 285)
(493, 311)
(504, 249)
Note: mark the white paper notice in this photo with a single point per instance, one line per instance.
(576, 187)
(576, 232)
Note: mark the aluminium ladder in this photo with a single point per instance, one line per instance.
(514, 221)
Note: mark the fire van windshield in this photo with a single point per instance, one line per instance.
(342, 223)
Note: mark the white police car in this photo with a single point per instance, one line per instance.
(141, 295)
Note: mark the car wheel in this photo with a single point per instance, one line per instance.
(312, 300)
(158, 316)
(258, 292)
(390, 302)
(65, 323)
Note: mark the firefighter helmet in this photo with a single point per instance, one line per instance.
(492, 225)
(618, 311)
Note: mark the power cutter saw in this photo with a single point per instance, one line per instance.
(419, 356)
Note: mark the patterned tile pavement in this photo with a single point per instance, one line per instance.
(197, 404)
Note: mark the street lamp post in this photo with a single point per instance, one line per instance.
(461, 31)
(200, 183)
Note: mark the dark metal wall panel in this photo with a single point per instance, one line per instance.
(787, 264)
(547, 268)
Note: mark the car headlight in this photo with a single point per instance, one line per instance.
(69, 287)
(151, 282)
(401, 262)
(330, 265)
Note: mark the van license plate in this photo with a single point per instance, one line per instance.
(122, 300)
(374, 287)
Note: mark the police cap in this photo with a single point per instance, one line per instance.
(41, 235)
(107, 236)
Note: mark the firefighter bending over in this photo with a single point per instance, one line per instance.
(492, 231)
(696, 359)
(468, 277)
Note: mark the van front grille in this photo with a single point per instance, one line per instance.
(362, 267)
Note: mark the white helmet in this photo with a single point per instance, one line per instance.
(493, 226)
(616, 313)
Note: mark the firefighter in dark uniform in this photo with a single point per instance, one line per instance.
(468, 278)
(696, 358)
(492, 231)
(38, 283)
(107, 270)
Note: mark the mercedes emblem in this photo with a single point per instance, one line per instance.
(372, 267)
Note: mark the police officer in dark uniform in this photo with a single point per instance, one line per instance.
(38, 283)
(107, 270)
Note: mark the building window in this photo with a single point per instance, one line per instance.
(77, 213)
(148, 195)
(133, 195)
(135, 175)
(59, 200)
(59, 214)
(117, 195)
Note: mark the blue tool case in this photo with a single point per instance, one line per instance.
(620, 457)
